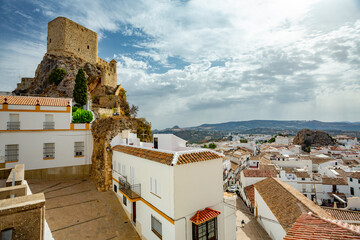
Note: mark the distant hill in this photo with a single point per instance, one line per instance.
(214, 132)
(279, 125)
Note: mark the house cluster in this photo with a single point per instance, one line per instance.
(285, 187)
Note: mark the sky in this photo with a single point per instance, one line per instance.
(207, 61)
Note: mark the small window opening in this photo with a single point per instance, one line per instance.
(88, 47)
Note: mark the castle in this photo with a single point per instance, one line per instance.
(68, 38)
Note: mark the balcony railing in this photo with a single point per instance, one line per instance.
(49, 125)
(13, 126)
(131, 190)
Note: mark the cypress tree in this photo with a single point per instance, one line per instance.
(80, 88)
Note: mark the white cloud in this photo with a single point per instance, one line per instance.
(274, 59)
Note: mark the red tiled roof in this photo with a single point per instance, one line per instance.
(355, 175)
(196, 157)
(204, 216)
(167, 158)
(344, 214)
(309, 226)
(334, 181)
(42, 101)
(259, 173)
(249, 190)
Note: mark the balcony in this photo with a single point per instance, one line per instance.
(13, 125)
(132, 191)
(49, 125)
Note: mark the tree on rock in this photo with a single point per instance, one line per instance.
(80, 88)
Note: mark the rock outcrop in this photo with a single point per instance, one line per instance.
(307, 137)
(103, 131)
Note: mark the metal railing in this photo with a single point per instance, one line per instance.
(13, 125)
(131, 190)
(49, 125)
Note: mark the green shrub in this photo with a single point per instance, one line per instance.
(80, 88)
(212, 145)
(243, 140)
(57, 75)
(82, 116)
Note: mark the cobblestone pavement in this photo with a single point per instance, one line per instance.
(252, 229)
(76, 210)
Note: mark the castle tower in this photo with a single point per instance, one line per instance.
(67, 38)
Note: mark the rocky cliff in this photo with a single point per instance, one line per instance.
(308, 138)
(41, 85)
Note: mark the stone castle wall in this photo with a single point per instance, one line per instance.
(109, 76)
(25, 83)
(67, 38)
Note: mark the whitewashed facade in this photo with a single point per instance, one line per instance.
(165, 196)
(38, 132)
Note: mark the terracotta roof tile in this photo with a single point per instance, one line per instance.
(343, 214)
(355, 175)
(164, 158)
(167, 158)
(309, 226)
(285, 202)
(249, 191)
(302, 174)
(204, 216)
(334, 181)
(259, 173)
(43, 101)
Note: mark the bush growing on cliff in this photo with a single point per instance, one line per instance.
(82, 116)
(57, 75)
(80, 88)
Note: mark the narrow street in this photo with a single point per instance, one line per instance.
(252, 229)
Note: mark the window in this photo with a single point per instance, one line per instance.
(351, 180)
(49, 121)
(115, 188)
(124, 200)
(352, 191)
(155, 187)
(206, 230)
(12, 153)
(303, 179)
(359, 181)
(14, 122)
(156, 227)
(88, 46)
(49, 150)
(79, 149)
(156, 143)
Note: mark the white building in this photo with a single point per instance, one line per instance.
(354, 184)
(38, 132)
(170, 191)
(278, 205)
(282, 140)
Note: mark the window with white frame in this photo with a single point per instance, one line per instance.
(156, 227)
(79, 149)
(12, 153)
(49, 150)
(155, 187)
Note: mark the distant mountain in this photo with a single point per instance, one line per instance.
(218, 131)
(242, 126)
